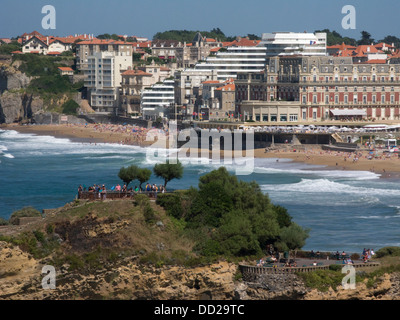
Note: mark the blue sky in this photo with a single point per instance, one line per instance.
(233, 17)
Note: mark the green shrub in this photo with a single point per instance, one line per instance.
(141, 200)
(70, 107)
(3, 222)
(172, 203)
(23, 213)
(39, 236)
(388, 251)
(322, 280)
(149, 215)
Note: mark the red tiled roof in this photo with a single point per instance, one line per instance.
(364, 49)
(244, 42)
(346, 53)
(375, 61)
(136, 73)
(382, 44)
(228, 87)
(342, 46)
(65, 69)
(215, 49)
(210, 82)
(53, 53)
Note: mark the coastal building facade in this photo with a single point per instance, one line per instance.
(103, 79)
(232, 60)
(88, 48)
(292, 43)
(320, 88)
(157, 100)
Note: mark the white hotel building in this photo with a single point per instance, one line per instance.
(292, 43)
(235, 59)
(103, 79)
(156, 99)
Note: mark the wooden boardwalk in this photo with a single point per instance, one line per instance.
(254, 270)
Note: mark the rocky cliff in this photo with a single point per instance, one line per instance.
(107, 250)
(15, 104)
(11, 78)
(130, 280)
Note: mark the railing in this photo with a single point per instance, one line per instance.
(254, 270)
(112, 195)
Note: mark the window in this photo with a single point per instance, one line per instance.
(336, 99)
(392, 99)
(346, 99)
(265, 117)
(258, 117)
(273, 117)
(314, 99)
(326, 99)
(293, 117)
(364, 99)
(283, 117)
(304, 115)
(383, 99)
(373, 99)
(314, 115)
(304, 100)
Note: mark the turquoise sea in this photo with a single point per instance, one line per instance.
(345, 210)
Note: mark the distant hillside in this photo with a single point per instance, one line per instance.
(188, 35)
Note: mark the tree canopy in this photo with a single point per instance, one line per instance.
(131, 173)
(168, 171)
(188, 35)
(233, 218)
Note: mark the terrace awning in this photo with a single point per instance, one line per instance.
(348, 112)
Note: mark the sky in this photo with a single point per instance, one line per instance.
(144, 18)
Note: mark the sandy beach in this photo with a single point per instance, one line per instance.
(387, 167)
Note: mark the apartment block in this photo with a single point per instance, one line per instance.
(292, 43)
(85, 49)
(103, 79)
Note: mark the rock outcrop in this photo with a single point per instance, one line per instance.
(15, 106)
(12, 79)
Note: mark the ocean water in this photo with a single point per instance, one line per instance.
(344, 210)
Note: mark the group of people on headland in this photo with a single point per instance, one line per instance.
(100, 191)
(367, 254)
